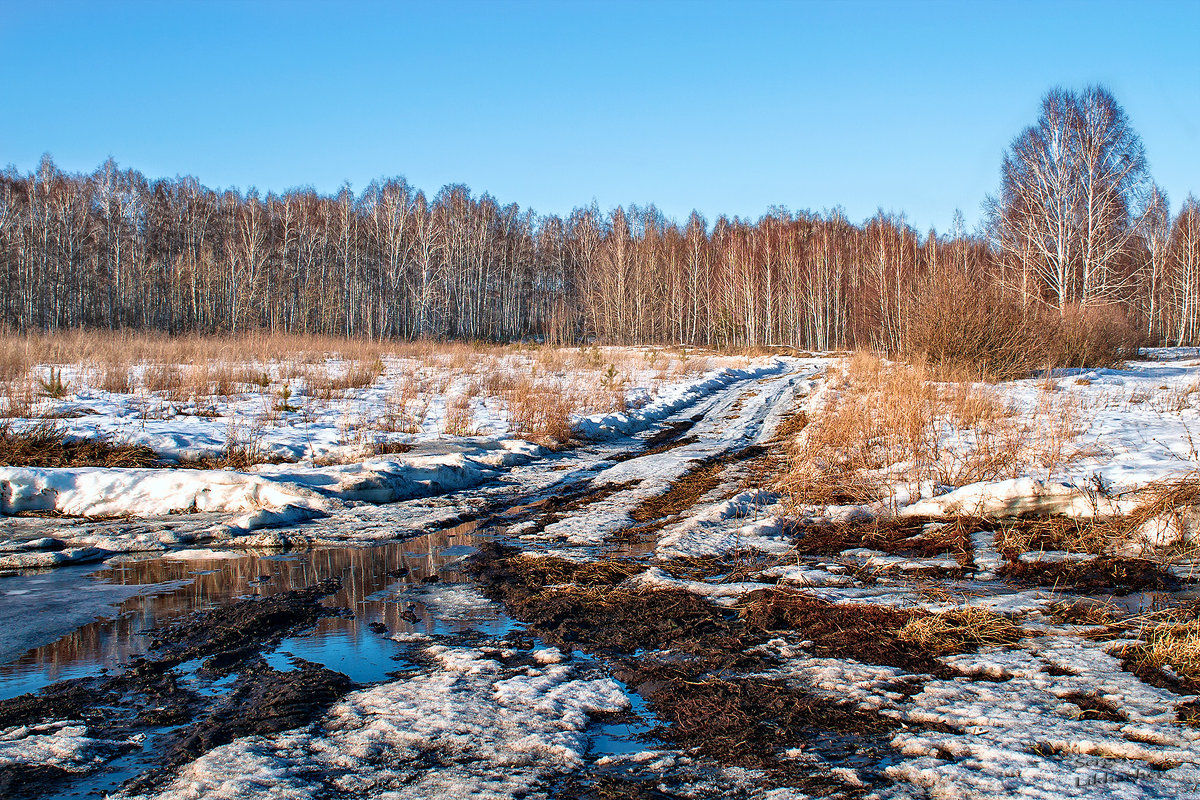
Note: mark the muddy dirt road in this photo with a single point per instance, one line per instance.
(122, 673)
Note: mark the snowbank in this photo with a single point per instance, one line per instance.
(98, 491)
(1016, 497)
(270, 495)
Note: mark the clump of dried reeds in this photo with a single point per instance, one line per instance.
(960, 629)
(47, 445)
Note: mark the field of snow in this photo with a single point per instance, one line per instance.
(1035, 695)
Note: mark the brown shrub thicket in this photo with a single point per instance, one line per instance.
(961, 324)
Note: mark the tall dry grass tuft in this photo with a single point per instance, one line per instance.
(1168, 639)
(457, 421)
(960, 629)
(539, 412)
(886, 424)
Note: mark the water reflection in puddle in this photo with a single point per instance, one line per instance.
(384, 585)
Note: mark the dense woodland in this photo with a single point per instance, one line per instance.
(1076, 222)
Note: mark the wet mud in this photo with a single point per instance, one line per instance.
(150, 694)
(1120, 576)
(262, 701)
(699, 666)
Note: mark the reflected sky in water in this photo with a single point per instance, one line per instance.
(382, 584)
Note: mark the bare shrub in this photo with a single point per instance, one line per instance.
(1094, 336)
(958, 323)
(974, 325)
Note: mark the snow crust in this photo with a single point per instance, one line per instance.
(1015, 732)
(61, 744)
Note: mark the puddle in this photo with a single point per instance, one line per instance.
(382, 585)
(630, 735)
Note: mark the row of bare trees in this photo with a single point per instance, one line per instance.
(1077, 222)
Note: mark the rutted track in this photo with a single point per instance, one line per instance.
(574, 501)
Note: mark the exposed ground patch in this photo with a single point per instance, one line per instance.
(150, 694)
(914, 537)
(1118, 575)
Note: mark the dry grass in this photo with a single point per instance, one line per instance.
(46, 445)
(888, 423)
(458, 417)
(540, 411)
(959, 630)
(1168, 510)
(1169, 639)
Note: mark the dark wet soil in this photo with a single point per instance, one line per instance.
(655, 513)
(263, 701)
(1119, 576)
(229, 635)
(915, 537)
(673, 435)
(1093, 706)
(150, 694)
(611, 787)
(24, 780)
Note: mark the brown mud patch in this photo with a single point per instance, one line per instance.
(754, 722)
(1120, 576)
(655, 513)
(914, 537)
(229, 635)
(263, 701)
(611, 787)
(866, 633)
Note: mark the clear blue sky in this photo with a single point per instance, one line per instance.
(726, 108)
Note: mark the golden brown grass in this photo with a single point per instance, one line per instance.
(959, 630)
(539, 411)
(1169, 639)
(457, 421)
(888, 423)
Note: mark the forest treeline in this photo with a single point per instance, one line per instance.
(1077, 223)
